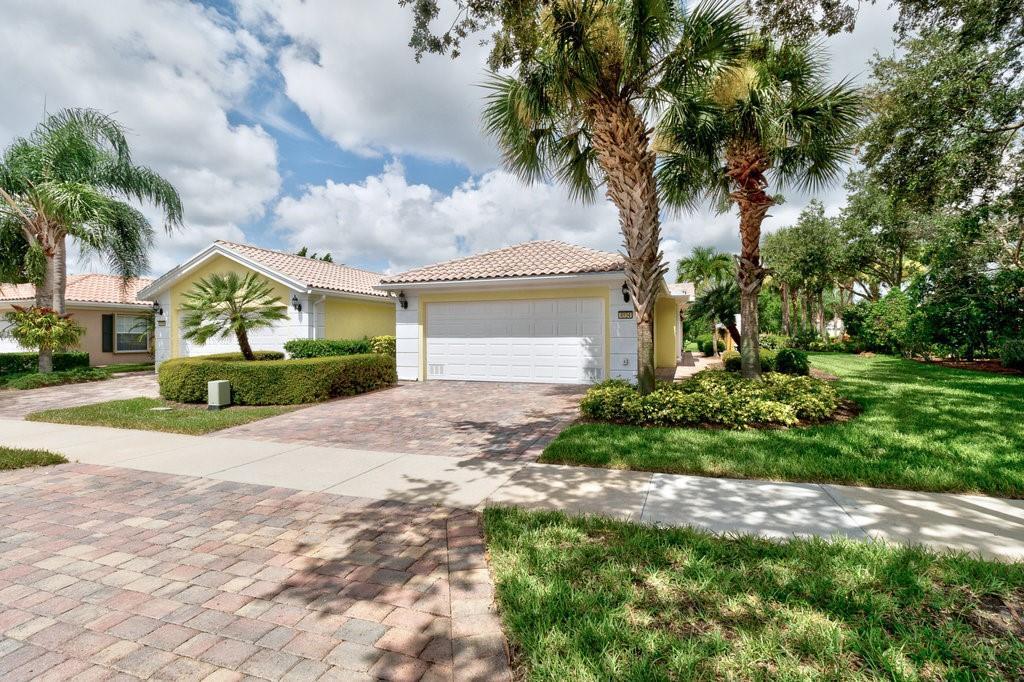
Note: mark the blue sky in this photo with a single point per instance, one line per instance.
(286, 124)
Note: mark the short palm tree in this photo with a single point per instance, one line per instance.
(590, 77)
(774, 119)
(74, 176)
(705, 267)
(719, 302)
(230, 305)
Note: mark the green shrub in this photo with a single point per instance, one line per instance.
(705, 347)
(772, 341)
(322, 348)
(385, 345)
(19, 363)
(1011, 353)
(714, 398)
(733, 360)
(259, 354)
(792, 361)
(880, 326)
(277, 382)
(71, 376)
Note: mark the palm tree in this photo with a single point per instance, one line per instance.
(232, 304)
(74, 176)
(720, 303)
(774, 118)
(705, 266)
(591, 75)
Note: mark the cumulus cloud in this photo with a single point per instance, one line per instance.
(169, 71)
(348, 66)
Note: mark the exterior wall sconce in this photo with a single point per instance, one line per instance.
(157, 310)
(625, 292)
(402, 300)
(296, 304)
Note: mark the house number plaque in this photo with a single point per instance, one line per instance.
(625, 314)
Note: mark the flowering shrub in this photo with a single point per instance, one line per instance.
(714, 398)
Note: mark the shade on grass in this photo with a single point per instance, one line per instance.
(138, 413)
(17, 458)
(594, 599)
(923, 428)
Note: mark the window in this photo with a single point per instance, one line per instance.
(131, 333)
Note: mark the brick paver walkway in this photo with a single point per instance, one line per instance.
(453, 418)
(108, 573)
(17, 404)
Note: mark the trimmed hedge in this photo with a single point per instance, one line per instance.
(19, 363)
(792, 361)
(732, 360)
(259, 354)
(79, 375)
(276, 382)
(705, 347)
(322, 348)
(713, 397)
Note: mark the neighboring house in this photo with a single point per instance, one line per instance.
(117, 324)
(324, 300)
(543, 311)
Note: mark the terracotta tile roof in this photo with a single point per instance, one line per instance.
(313, 273)
(530, 259)
(681, 289)
(87, 288)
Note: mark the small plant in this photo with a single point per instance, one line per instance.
(792, 361)
(385, 345)
(71, 376)
(44, 330)
(1011, 353)
(231, 305)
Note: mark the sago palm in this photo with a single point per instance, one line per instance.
(591, 75)
(719, 302)
(229, 305)
(773, 120)
(74, 176)
(705, 267)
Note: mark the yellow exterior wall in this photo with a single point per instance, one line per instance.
(602, 293)
(217, 264)
(666, 345)
(348, 318)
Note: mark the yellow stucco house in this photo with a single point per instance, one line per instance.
(324, 300)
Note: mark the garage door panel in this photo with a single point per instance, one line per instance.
(552, 340)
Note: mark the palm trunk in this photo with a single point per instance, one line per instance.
(714, 340)
(60, 274)
(734, 333)
(44, 299)
(784, 293)
(621, 141)
(243, 344)
(746, 166)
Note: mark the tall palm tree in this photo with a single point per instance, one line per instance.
(774, 118)
(591, 76)
(705, 267)
(74, 176)
(230, 305)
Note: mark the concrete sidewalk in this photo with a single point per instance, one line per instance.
(992, 527)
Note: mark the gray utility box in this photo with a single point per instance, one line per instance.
(218, 395)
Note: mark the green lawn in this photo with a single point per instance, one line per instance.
(138, 413)
(17, 458)
(923, 428)
(593, 599)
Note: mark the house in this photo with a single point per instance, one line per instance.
(324, 300)
(542, 311)
(117, 323)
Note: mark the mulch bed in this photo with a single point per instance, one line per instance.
(991, 366)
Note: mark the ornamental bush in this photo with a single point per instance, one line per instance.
(1011, 353)
(732, 360)
(21, 363)
(322, 348)
(276, 382)
(78, 375)
(386, 345)
(792, 361)
(714, 398)
(772, 341)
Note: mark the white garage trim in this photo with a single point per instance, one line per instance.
(554, 340)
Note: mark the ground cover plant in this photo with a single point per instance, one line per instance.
(17, 458)
(713, 397)
(923, 427)
(139, 413)
(678, 604)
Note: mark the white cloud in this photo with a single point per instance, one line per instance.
(169, 71)
(348, 66)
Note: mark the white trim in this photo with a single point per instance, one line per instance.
(497, 282)
(166, 280)
(149, 336)
(335, 293)
(141, 307)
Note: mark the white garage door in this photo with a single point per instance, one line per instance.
(546, 341)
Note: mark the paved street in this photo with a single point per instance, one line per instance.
(110, 573)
